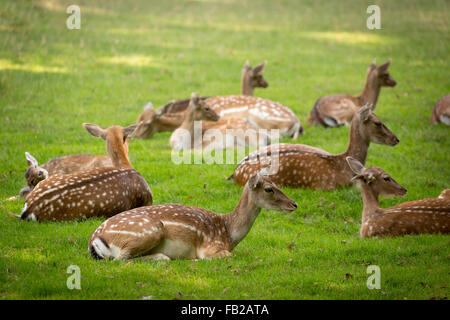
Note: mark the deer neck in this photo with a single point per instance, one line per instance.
(118, 153)
(358, 145)
(370, 202)
(188, 121)
(241, 219)
(246, 87)
(370, 92)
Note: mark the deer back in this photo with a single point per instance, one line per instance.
(90, 193)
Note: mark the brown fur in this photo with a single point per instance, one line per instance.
(302, 166)
(171, 116)
(66, 164)
(171, 231)
(413, 217)
(441, 111)
(338, 109)
(93, 192)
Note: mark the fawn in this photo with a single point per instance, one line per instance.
(171, 116)
(338, 109)
(413, 217)
(172, 231)
(302, 166)
(184, 138)
(441, 111)
(93, 192)
(66, 164)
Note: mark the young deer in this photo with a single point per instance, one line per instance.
(164, 119)
(260, 113)
(66, 164)
(252, 78)
(171, 116)
(94, 192)
(184, 138)
(413, 217)
(441, 111)
(338, 109)
(301, 166)
(172, 231)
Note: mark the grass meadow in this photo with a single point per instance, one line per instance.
(127, 53)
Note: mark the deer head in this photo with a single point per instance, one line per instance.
(33, 175)
(376, 179)
(146, 122)
(372, 129)
(267, 195)
(117, 140)
(380, 75)
(199, 110)
(252, 78)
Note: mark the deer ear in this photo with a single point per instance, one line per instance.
(95, 130)
(253, 182)
(148, 106)
(355, 165)
(365, 112)
(384, 67)
(128, 131)
(246, 65)
(32, 162)
(259, 68)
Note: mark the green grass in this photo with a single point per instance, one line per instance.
(129, 52)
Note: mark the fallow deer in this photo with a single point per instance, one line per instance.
(260, 113)
(66, 164)
(172, 231)
(300, 166)
(185, 137)
(93, 192)
(441, 111)
(171, 116)
(338, 109)
(413, 217)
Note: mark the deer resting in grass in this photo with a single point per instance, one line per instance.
(338, 109)
(94, 192)
(258, 112)
(216, 133)
(171, 116)
(441, 111)
(301, 166)
(175, 231)
(66, 164)
(413, 217)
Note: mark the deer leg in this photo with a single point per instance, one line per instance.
(156, 257)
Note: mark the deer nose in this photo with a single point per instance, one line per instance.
(396, 140)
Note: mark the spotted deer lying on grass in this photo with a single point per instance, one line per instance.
(302, 166)
(184, 138)
(216, 133)
(66, 164)
(94, 192)
(441, 111)
(172, 231)
(413, 217)
(338, 109)
(171, 116)
(260, 113)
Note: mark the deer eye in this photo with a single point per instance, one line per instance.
(378, 124)
(268, 190)
(386, 178)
